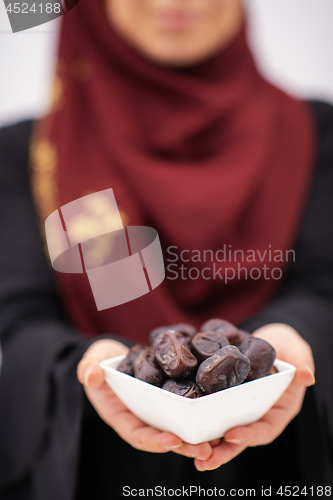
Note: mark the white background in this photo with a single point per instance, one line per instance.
(292, 40)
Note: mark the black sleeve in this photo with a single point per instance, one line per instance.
(40, 397)
(305, 300)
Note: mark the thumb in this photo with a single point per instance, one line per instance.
(298, 353)
(304, 375)
(89, 372)
(292, 348)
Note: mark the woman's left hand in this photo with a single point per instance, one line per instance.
(292, 348)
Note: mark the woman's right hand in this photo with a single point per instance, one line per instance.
(116, 415)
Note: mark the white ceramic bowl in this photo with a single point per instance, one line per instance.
(205, 418)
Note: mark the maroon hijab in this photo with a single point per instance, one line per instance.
(213, 157)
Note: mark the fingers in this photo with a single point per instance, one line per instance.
(149, 439)
(146, 438)
(272, 424)
(215, 442)
(137, 433)
(128, 426)
(238, 439)
(257, 434)
(221, 454)
(202, 451)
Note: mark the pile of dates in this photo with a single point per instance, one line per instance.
(193, 364)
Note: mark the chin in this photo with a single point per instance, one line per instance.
(178, 57)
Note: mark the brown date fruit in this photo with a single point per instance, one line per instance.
(238, 337)
(261, 355)
(188, 331)
(179, 336)
(147, 369)
(218, 325)
(204, 344)
(186, 388)
(235, 336)
(226, 368)
(173, 356)
(155, 333)
(126, 365)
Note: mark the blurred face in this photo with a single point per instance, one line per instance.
(176, 32)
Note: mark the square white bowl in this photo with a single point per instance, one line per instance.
(202, 419)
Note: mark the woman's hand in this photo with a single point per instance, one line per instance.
(114, 412)
(290, 347)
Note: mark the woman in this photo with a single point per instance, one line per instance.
(161, 101)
